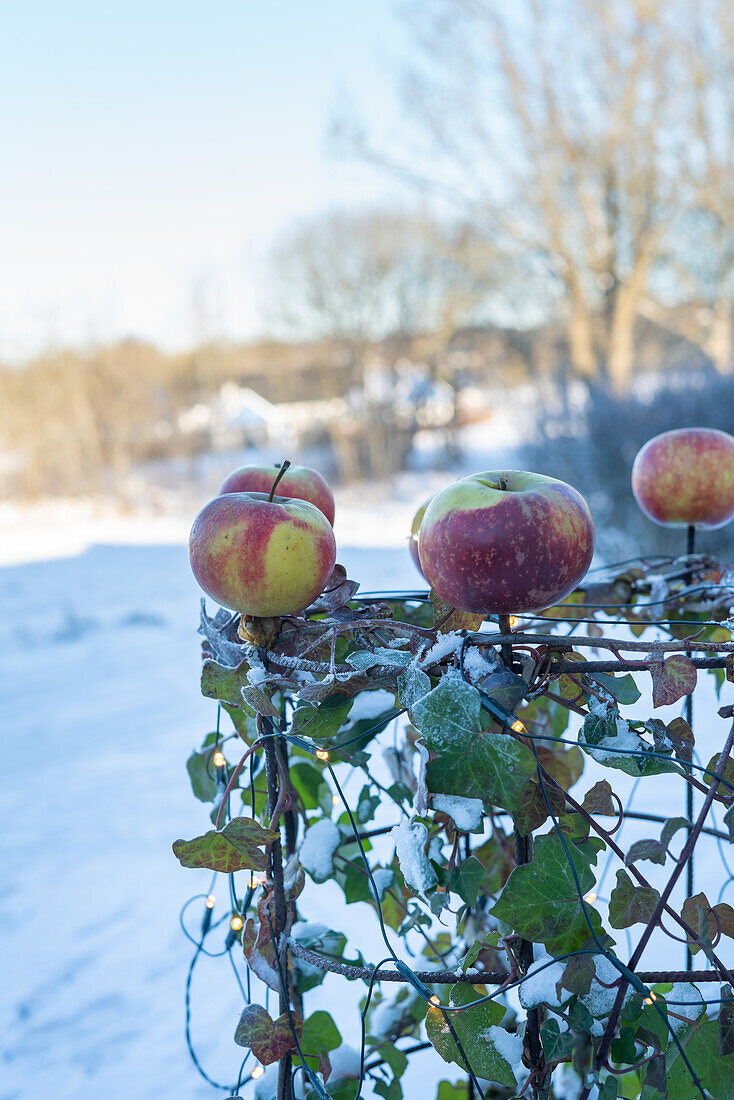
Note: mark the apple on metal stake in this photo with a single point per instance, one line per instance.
(299, 481)
(685, 478)
(260, 554)
(506, 541)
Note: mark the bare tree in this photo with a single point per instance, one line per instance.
(367, 284)
(566, 129)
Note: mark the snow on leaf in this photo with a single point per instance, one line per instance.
(317, 849)
(492, 1051)
(671, 679)
(268, 1039)
(238, 847)
(466, 812)
(410, 839)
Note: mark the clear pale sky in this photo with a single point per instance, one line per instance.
(151, 149)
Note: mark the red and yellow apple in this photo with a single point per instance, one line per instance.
(414, 529)
(300, 482)
(685, 478)
(506, 541)
(262, 557)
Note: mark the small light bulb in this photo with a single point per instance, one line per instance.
(650, 999)
(210, 901)
(518, 727)
(258, 1072)
(514, 622)
(255, 882)
(322, 754)
(236, 924)
(433, 1000)
(590, 898)
(219, 760)
(335, 799)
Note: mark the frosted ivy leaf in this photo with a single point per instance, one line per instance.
(410, 838)
(317, 849)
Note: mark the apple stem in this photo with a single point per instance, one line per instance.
(278, 476)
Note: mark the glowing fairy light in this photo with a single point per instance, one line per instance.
(258, 1072)
(590, 898)
(322, 754)
(514, 622)
(335, 799)
(649, 1000)
(433, 1000)
(219, 760)
(236, 924)
(518, 727)
(210, 901)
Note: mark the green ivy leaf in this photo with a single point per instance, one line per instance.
(622, 688)
(486, 1043)
(715, 1071)
(203, 784)
(466, 880)
(238, 847)
(557, 1044)
(320, 1034)
(540, 900)
(629, 904)
(465, 759)
(413, 684)
(324, 720)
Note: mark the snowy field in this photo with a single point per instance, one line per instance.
(99, 661)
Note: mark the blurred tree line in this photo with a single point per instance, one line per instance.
(576, 162)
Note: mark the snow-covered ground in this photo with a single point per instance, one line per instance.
(99, 668)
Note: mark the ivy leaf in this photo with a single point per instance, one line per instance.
(364, 659)
(557, 1044)
(338, 592)
(413, 684)
(681, 736)
(541, 902)
(466, 760)
(224, 684)
(320, 1033)
(646, 849)
(447, 618)
(466, 880)
(324, 720)
(672, 679)
(629, 904)
(707, 919)
(268, 1039)
(203, 784)
(238, 847)
(491, 1050)
(701, 1048)
(670, 828)
(622, 688)
(725, 1043)
(598, 799)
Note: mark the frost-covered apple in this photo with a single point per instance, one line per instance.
(300, 482)
(686, 478)
(259, 556)
(414, 529)
(505, 541)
